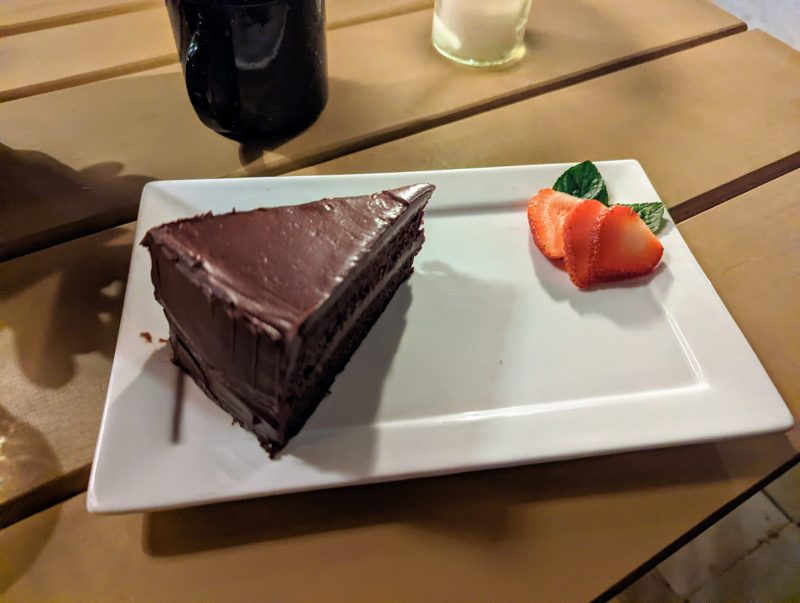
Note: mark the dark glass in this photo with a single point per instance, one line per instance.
(252, 68)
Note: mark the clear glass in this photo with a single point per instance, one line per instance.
(481, 32)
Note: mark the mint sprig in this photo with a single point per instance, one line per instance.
(583, 180)
(652, 214)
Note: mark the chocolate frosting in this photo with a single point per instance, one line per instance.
(302, 252)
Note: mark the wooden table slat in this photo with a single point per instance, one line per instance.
(415, 89)
(128, 41)
(749, 247)
(482, 532)
(21, 16)
(60, 57)
(386, 81)
(681, 116)
(344, 13)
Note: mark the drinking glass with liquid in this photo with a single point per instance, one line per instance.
(481, 32)
(252, 68)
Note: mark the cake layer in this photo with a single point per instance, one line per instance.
(265, 334)
(325, 351)
(239, 405)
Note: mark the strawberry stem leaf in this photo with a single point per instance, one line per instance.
(652, 214)
(583, 180)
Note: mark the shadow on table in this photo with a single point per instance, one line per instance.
(475, 508)
(76, 289)
(44, 202)
(65, 301)
(348, 102)
(26, 460)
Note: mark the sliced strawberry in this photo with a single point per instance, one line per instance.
(579, 242)
(547, 211)
(624, 246)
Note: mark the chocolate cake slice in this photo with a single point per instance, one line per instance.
(266, 307)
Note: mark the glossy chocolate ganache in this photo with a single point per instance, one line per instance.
(265, 307)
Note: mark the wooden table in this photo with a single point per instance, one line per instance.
(93, 107)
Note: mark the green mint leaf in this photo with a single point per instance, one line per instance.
(652, 214)
(584, 181)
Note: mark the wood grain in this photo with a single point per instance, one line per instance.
(386, 82)
(414, 89)
(344, 13)
(20, 16)
(694, 120)
(129, 39)
(60, 57)
(564, 531)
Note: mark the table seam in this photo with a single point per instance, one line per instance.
(695, 531)
(130, 68)
(92, 14)
(520, 95)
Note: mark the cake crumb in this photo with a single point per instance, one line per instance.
(146, 336)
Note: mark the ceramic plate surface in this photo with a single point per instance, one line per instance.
(488, 356)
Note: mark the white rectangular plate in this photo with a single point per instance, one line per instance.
(487, 357)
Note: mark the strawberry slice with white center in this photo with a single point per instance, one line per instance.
(580, 239)
(623, 246)
(547, 212)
